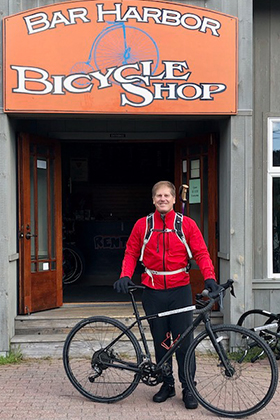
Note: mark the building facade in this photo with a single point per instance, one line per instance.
(77, 165)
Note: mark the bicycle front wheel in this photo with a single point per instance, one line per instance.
(247, 382)
(124, 45)
(101, 359)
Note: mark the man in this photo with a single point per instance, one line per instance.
(166, 258)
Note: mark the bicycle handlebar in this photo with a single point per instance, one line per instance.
(224, 286)
(213, 296)
(136, 286)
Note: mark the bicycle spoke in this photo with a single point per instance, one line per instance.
(94, 367)
(113, 50)
(251, 380)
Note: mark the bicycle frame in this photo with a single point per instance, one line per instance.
(202, 317)
(230, 370)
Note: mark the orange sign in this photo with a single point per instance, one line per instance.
(134, 57)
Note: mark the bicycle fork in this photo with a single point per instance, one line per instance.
(216, 341)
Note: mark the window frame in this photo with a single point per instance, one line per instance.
(272, 173)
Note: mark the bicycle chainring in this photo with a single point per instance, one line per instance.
(150, 375)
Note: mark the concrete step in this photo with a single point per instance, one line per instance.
(43, 334)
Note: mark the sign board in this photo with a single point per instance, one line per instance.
(134, 57)
(194, 191)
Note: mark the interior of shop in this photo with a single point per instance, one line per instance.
(106, 187)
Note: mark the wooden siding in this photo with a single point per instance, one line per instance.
(266, 103)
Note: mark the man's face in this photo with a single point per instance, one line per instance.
(163, 200)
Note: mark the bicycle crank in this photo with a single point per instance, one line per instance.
(150, 375)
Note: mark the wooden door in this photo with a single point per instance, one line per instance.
(40, 224)
(196, 166)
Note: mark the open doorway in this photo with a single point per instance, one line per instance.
(106, 187)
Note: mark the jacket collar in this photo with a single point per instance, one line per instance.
(169, 217)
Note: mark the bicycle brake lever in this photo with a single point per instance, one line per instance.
(222, 295)
(214, 295)
(221, 299)
(232, 290)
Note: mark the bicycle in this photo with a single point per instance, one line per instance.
(73, 261)
(269, 329)
(236, 371)
(118, 44)
(73, 265)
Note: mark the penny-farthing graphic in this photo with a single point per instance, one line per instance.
(118, 44)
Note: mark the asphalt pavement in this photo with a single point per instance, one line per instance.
(40, 390)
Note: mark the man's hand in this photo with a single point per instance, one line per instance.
(121, 285)
(211, 285)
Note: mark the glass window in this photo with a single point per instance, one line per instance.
(42, 193)
(276, 143)
(276, 224)
(195, 168)
(273, 207)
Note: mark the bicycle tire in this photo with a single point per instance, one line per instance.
(272, 338)
(73, 264)
(109, 48)
(251, 385)
(254, 312)
(81, 67)
(84, 359)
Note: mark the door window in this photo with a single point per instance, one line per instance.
(197, 180)
(40, 246)
(42, 208)
(196, 166)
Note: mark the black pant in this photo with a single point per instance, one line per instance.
(155, 301)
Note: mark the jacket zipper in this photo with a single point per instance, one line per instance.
(163, 237)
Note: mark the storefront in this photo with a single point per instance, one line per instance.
(102, 100)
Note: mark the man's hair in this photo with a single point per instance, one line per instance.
(164, 184)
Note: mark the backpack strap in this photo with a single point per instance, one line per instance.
(148, 233)
(178, 223)
(178, 226)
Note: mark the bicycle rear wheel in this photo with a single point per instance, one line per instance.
(246, 386)
(266, 325)
(101, 359)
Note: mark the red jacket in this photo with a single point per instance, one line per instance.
(165, 252)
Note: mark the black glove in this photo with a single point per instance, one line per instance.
(211, 285)
(121, 285)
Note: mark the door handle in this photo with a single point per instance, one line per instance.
(29, 235)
